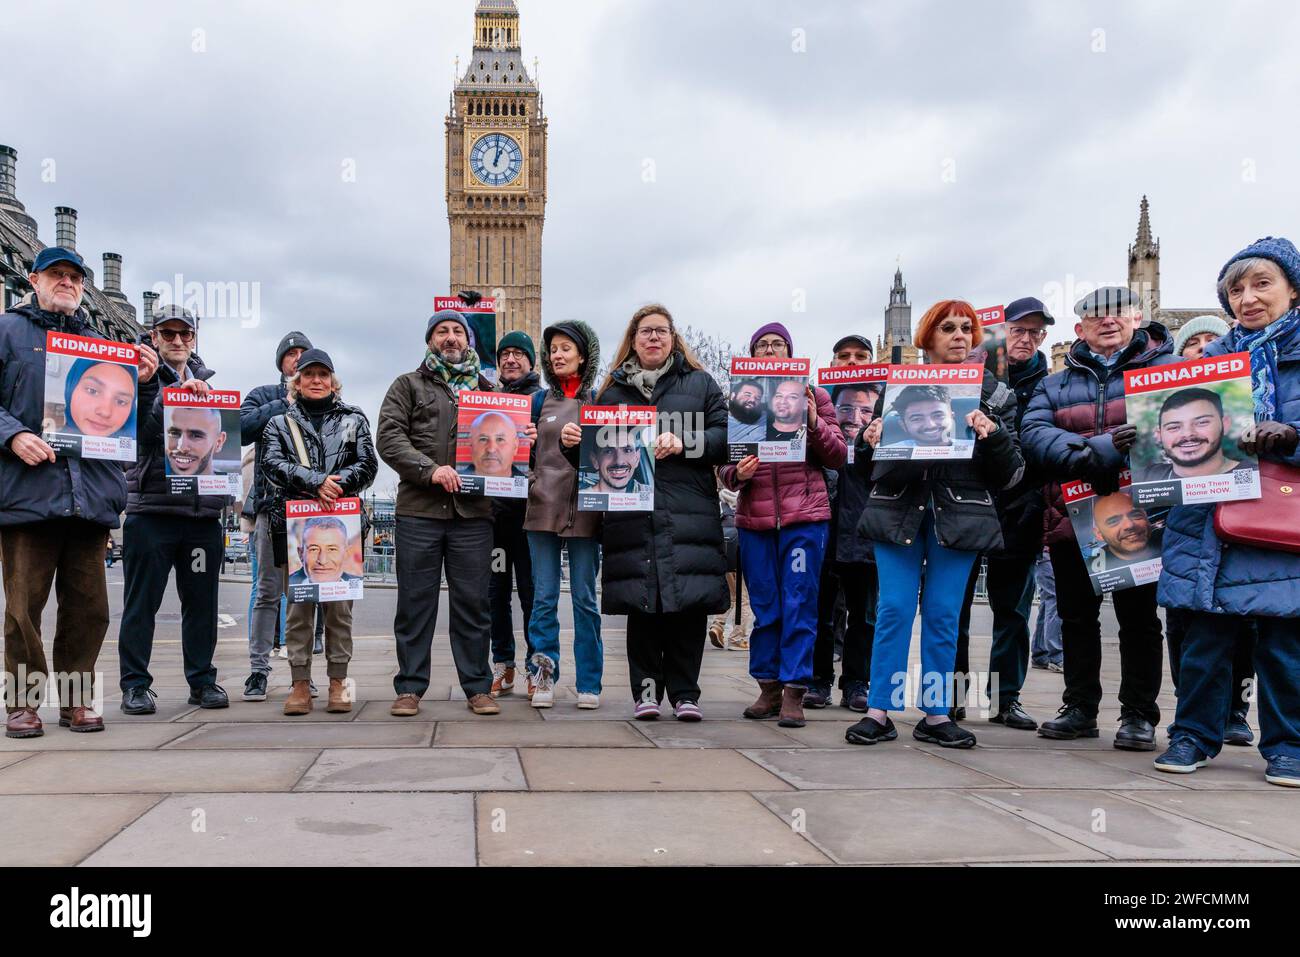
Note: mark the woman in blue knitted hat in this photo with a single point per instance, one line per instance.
(1218, 582)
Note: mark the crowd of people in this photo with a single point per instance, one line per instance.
(843, 534)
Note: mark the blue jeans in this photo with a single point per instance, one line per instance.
(946, 573)
(783, 570)
(1047, 630)
(544, 623)
(260, 664)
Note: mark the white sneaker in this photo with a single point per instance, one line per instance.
(588, 701)
(543, 683)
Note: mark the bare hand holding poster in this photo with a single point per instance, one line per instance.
(1120, 540)
(926, 407)
(616, 471)
(492, 443)
(1190, 421)
(854, 391)
(201, 442)
(326, 560)
(767, 410)
(90, 397)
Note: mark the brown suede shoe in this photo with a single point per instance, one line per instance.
(483, 704)
(80, 719)
(299, 700)
(23, 724)
(340, 698)
(768, 704)
(406, 706)
(792, 707)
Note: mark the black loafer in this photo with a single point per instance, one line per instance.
(138, 701)
(871, 731)
(1070, 723)
(209, 696)
(1015, 717)
(949, 734)
(1135, 733)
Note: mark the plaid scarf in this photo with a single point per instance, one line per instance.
(1262, 346)
(459, 375)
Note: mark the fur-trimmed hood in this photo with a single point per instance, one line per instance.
(590, 369)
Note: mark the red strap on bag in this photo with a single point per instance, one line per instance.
(1271, 521)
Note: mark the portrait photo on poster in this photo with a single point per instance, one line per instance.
(91, 397)
(616, 459)
(201, 446)
(1191, 419)
(767, 409)
(481, 320)
(326, 552)
(492, 443)
(925, 411)
(854, 392)
(1120, 540)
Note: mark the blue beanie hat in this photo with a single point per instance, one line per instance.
(1279, 250)
(450, 315)
(772, 328)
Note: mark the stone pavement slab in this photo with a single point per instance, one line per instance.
(168, 710)
(714, 734)
(111, 772)
(539, 734)
(263, 711)
(59, 830)
(896, 826)
(1237, 769)
(428, 769)
(511, 711)
(635, 829)
(1127, 830)
(298, 830)
(1271, 817)
(636, 769)
(294, 734)
(888, 765)
(1051, 769)
(116, 736)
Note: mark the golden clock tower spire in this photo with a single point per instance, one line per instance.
(496, 173)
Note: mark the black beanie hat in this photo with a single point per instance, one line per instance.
(294, 340)
(573, 331)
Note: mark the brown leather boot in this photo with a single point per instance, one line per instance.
(340, 700)
(792, 707)
(24, 723)
(299, 701)
(768, 704)
(80, 719)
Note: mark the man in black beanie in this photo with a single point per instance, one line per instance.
(259, 407)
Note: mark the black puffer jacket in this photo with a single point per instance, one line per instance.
(343, 447)
(671, 559)
(146, 481)
(959, 493)
(259, 407)
(1021, 507)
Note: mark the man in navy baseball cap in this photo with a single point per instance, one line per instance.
(57, 254)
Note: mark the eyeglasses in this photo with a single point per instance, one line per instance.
(767, 345)
(654, 332)
(184, 335)
(1034, 334)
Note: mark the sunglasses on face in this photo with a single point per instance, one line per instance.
(184, 335)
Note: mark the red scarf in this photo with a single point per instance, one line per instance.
(570, 385)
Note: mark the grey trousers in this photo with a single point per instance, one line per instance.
(300, 632)
(267, 589)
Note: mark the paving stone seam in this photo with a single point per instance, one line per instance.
(1033, 823)
(831, 859)
(131, 823)
(1132, 798)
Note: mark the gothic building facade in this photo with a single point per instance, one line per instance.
(898, 326)
(111, 313)
(496, 173)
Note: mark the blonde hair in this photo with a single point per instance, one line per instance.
(626, 348)
(292, 385)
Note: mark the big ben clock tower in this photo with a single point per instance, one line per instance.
(496, 173)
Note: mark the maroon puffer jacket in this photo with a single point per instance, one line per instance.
(788, 493)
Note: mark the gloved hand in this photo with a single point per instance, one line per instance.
(1124, 437)
(1103, 482)
(1270, 438)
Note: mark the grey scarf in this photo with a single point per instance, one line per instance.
(644, 379)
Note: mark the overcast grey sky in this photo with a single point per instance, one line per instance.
(1000, 149)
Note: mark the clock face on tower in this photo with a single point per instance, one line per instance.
(496, 159)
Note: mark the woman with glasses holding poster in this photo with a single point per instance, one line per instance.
(940, 513)
(666, 569)
(1218, 567)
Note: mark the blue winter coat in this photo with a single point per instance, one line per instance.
(260, 406)
(1200, 572)
(90, 489)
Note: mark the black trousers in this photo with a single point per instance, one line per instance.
(1140, 638)
(856, 581)
(664, 653)
(424, 547)
(1177, 621)
(510, 558)
(152, 547)
(1009, 583)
